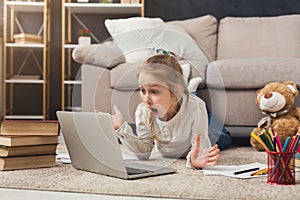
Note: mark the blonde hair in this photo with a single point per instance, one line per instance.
(167, 69)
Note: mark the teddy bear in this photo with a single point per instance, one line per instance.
(276, 100)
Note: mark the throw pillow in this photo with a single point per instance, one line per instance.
(125, 32)
(117, 26)
(140, 38)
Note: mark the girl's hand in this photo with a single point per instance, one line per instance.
(209, 158)
(117, 118)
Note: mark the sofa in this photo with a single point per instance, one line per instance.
(242, 55)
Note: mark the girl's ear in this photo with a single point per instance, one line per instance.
(177, 91)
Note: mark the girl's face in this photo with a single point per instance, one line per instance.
(160, 100)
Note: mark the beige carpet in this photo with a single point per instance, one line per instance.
(186, 183)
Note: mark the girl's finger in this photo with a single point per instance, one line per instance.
(197, 140)
(214, 158)
(116, 110)
(213, 148)
(211, 163)
(214, 152)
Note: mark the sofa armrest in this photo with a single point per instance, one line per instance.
(106, 55)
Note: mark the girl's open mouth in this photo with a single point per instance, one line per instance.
(154, 111)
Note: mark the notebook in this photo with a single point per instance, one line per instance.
(93, 146)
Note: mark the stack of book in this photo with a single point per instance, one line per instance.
(24, 38)
(28, 144)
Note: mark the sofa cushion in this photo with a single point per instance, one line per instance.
(259, 37)
(203, 30)
(106, 55)
(251, 73)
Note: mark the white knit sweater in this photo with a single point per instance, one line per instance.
(173, 138)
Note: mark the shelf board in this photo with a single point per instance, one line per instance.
(70, 46)
(23, 6)
(16, 45)
(24, 81)
(73, 108)
(72, 82)
(24, 117)
(104, 8)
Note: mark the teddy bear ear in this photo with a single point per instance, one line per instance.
(292, 86)
(258, 95)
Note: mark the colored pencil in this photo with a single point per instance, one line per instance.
(278, 142)
(293, 148)
(269, 137)
(260, 172)
(265, 140)
(286, 143)
(245, 171)
(259, 140)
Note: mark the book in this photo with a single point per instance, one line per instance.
(6, 151)
(12, 141)
(297, 162)
(29, 128)
(25, 162)
(18, 77)
(25, 38)
(297, 159)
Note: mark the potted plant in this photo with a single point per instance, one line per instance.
(84, 37)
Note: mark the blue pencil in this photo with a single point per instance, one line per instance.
(287, 140)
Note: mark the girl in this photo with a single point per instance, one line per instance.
(168, 118)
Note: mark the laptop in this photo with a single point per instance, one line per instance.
(93, 146)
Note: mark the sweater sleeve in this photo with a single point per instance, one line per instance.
(142, 142)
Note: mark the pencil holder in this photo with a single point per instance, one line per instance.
(281, 168)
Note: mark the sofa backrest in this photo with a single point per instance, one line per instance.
(251, 37)
(203, 30)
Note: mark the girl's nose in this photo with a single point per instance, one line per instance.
(146, 98)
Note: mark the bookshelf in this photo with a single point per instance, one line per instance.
(71, 12)
(26, 59)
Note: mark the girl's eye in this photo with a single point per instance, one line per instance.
(142, 90)
(154, 91)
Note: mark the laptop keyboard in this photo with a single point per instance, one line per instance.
(134, 171)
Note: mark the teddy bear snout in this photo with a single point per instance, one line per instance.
(268, 95)
(272, 102)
